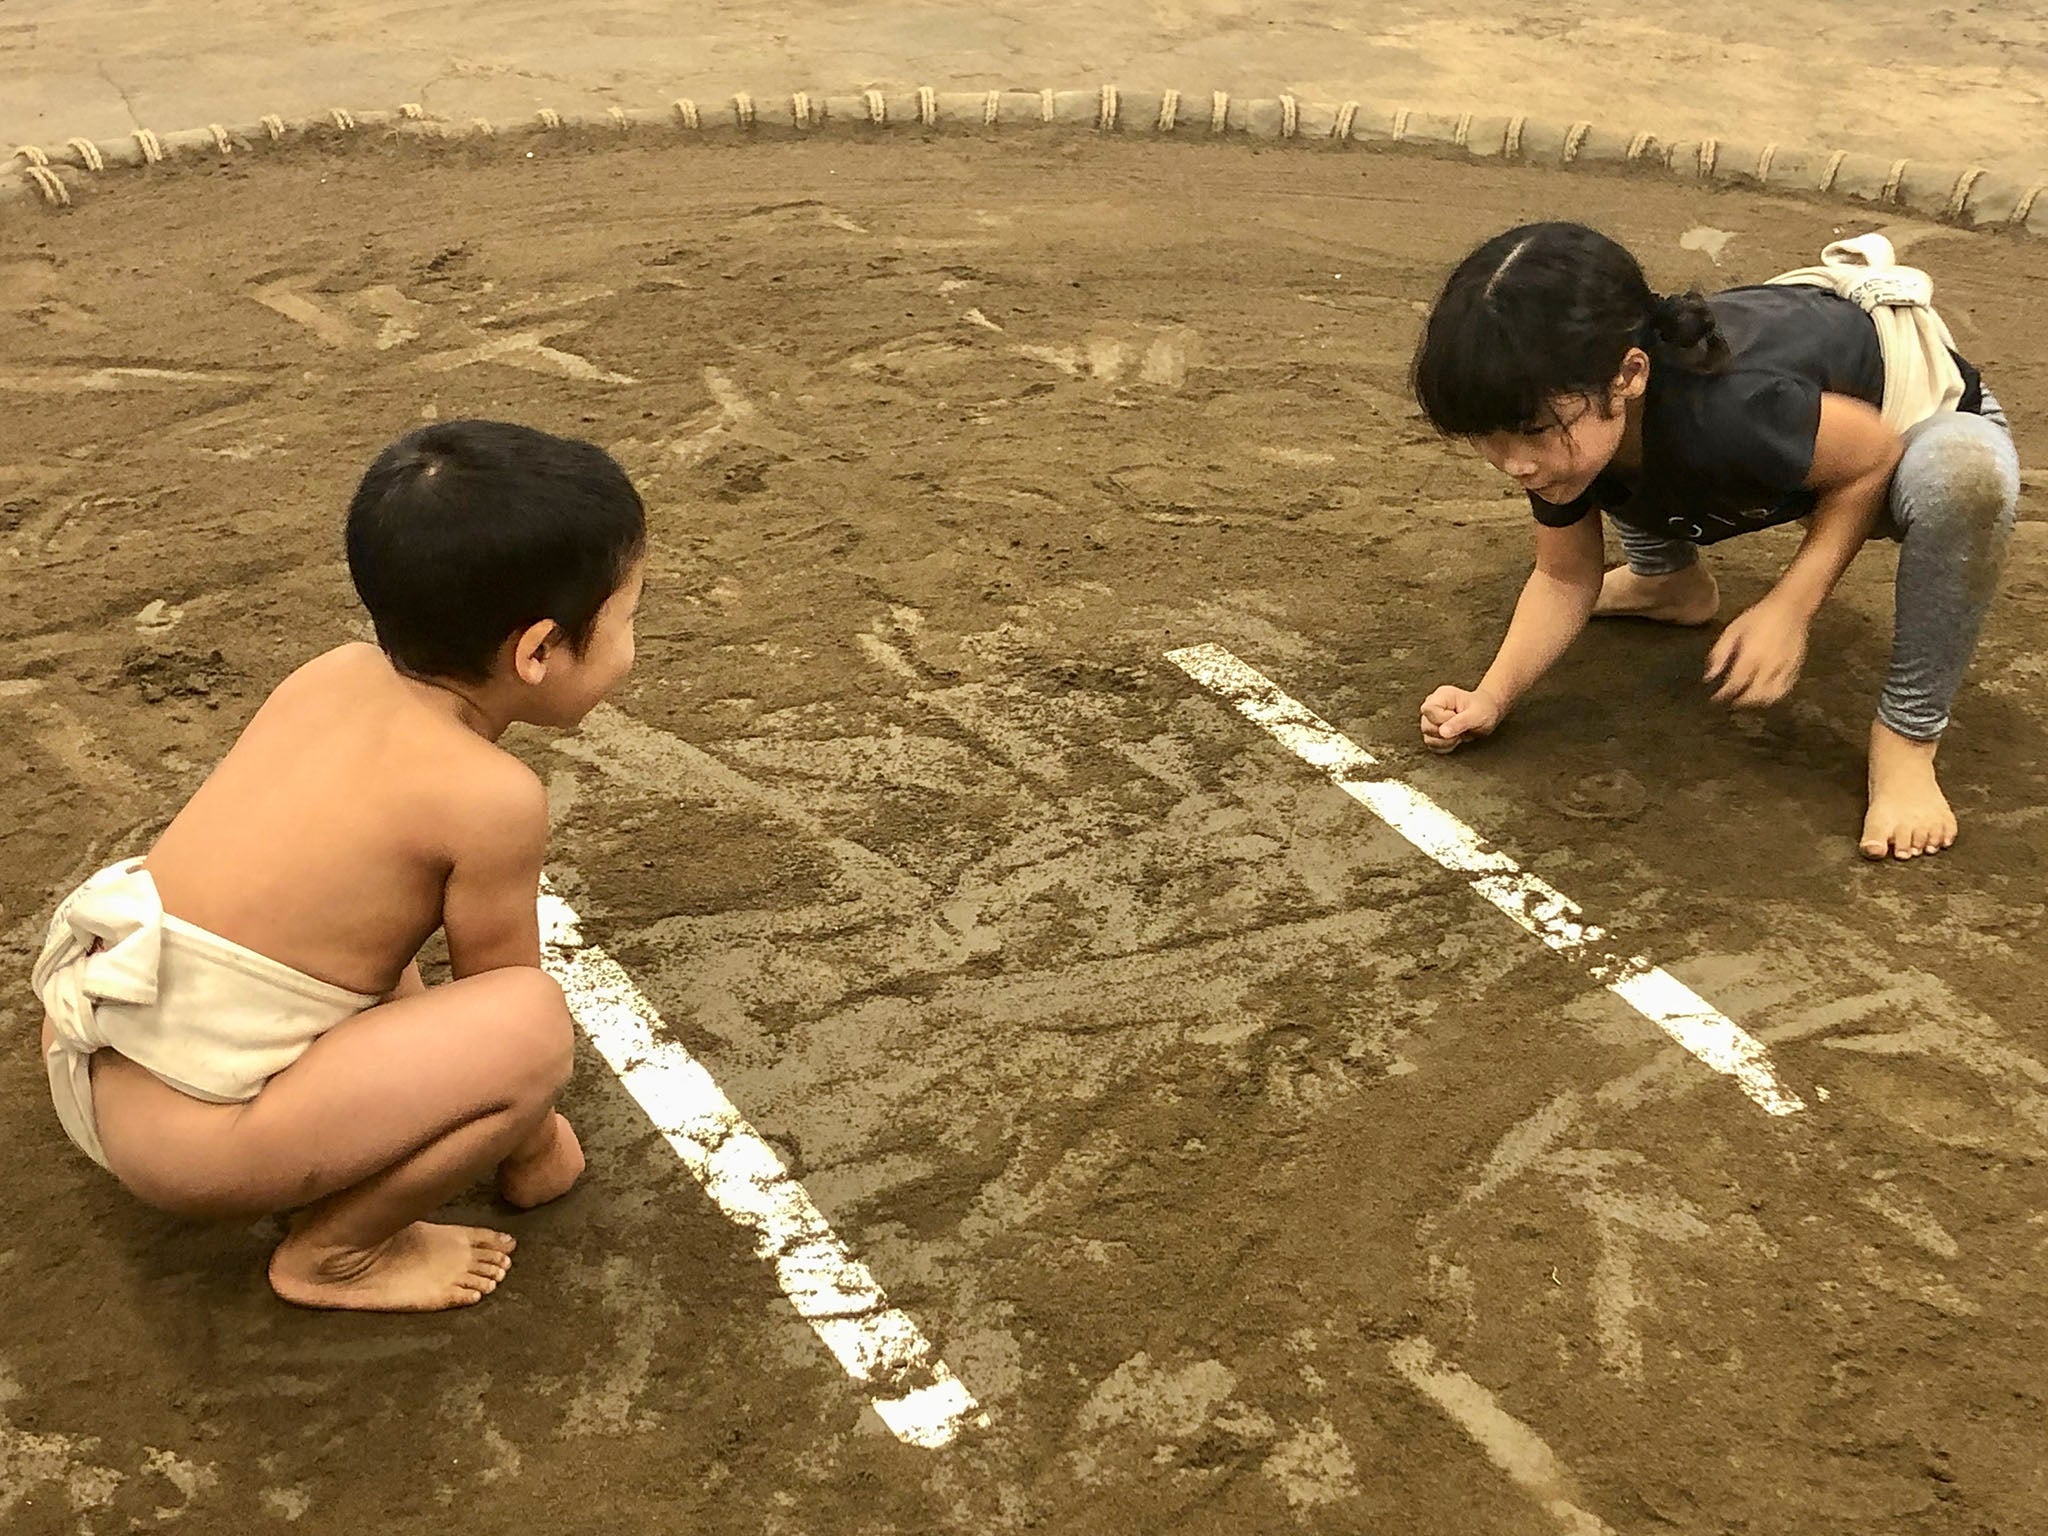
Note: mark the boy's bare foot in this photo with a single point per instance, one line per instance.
(1909, 815)
(423, 1268)
(1689, 597)
(544, 1168)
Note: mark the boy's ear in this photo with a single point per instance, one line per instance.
(533, 648)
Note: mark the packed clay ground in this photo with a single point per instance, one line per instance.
(1198, 1119)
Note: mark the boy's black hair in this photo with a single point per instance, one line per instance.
(1543, 311)
(464, 533)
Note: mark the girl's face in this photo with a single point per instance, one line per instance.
(1559, 462)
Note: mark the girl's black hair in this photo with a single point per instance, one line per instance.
(1543, 311)
(465, 532)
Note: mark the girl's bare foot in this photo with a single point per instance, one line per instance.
(550, 1161)
(1689, 597)
(421, 1268)
(1909, 815)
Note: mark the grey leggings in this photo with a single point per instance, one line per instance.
(1951, 509)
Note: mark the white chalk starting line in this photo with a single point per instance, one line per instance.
(917, 1397)
(1534, 905)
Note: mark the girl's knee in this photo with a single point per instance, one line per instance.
(1967, 477)
(1984, 480)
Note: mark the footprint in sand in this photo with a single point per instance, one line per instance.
(1613, 795)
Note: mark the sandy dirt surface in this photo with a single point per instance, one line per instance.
(1254, 1174)
(1962, 83)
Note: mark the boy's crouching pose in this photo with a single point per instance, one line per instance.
(235, 1024)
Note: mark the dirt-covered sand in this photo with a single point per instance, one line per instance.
(1205, 1126)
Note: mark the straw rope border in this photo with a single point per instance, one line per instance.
(1965, 194)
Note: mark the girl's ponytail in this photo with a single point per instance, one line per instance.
(1685, 325)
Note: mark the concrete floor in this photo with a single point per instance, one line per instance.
(1961, 83)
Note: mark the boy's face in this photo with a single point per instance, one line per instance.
(1560, 462)
(573, 685)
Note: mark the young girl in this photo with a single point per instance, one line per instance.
(1690, 420)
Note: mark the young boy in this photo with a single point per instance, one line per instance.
(236, 1024)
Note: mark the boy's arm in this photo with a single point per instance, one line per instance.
(490, 906)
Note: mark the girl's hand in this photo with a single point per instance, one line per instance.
(1453, 716)
(1758, 657)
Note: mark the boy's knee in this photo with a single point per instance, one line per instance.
(536, 1016)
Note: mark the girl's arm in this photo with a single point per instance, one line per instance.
(1758, 657)
(1556, 601)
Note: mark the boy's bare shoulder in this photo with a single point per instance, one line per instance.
(475, 791)
(344, 679)
(357, 659)
(481, 795)
(349, 668)
(493, 796)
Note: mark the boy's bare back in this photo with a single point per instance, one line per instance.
(355, 814)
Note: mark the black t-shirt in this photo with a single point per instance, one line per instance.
(1729, 452)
